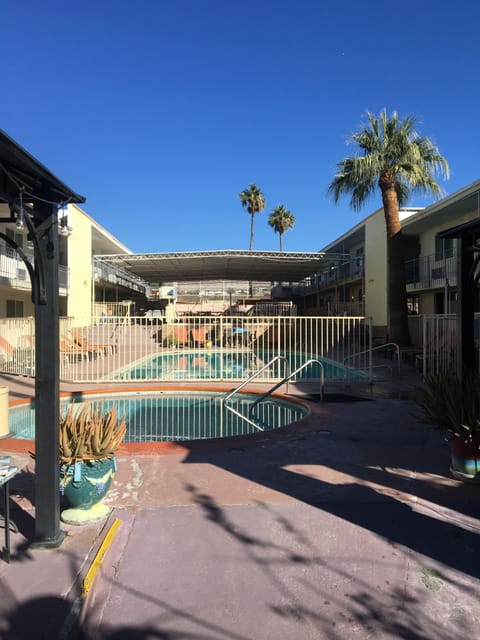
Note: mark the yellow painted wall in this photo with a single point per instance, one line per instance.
(375, 269)
(79, 243)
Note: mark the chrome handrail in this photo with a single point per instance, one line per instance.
(381, 346)
(244, 384)
(287, 378)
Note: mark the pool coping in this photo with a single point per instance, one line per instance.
(292, 430)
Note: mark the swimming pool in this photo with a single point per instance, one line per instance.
(230, 365)
(173, 416)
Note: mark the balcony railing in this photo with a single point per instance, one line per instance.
(430, 272)
(14, 274)
(346, 272)
(114, 275)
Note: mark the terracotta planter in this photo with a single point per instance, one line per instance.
(465, 459)
(84, 484)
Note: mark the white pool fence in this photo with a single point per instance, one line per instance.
(117, 348)
(111, 348)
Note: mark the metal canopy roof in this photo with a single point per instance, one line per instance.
(259, 266)
(20, 169)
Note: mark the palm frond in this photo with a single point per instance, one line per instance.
(252, 199)
(281, 219)
(389, 145)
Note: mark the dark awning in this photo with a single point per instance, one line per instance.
(460, 229)
(19, 170)
(258, 266)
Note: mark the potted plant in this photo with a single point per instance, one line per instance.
(451, 403)
(89, 440)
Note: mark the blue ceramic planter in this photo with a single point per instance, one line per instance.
(84, 484)
(465, 459)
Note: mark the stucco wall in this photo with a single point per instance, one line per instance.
(79, 304)
(375, 269)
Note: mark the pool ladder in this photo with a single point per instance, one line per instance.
(263, 397)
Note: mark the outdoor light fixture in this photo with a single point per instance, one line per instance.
(19, 223)
(19, 215)
(63, 228)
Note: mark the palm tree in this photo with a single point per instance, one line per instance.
(281, 220)
(254, 201)
(398, 160)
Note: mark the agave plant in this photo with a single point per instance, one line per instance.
(90, 434)
(452, 404)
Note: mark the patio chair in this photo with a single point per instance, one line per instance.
(198, 337)
(175, 336)
(70, 351)
(6, 351)
(100, 348)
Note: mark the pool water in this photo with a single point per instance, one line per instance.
(228, 365)
(177, 416)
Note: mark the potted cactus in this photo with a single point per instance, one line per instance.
(89, 441)
(451, 404)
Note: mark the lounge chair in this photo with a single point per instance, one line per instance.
(71, 351)
(7, 352)
(100, 348)
(175, 336)
(198, 337)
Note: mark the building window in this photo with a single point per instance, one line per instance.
(16, 237)
(443, 248)
(14, 308)
(413, 305)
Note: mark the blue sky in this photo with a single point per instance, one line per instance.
(160, 112)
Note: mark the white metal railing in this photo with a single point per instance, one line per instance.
(14, 272)
(439, 344)
(426, 272)
(193, 348)
(140, 349)
(111, 273)
(388, 346)
(252, 377)
(17, 347)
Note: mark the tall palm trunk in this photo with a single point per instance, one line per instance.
(398, 313)
(251, 232)
(250, 284)
(281, 242)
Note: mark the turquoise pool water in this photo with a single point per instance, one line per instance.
(228, 365)
(176, 416)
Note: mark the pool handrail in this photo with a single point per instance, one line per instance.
(287, 378)
(370, 351)
(244, 384)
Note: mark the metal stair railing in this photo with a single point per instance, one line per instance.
(372, 349)
(288, 377)
(244, 384)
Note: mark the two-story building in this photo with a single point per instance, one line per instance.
(358, 284)
(86, 286)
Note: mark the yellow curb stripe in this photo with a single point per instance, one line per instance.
(99, 557)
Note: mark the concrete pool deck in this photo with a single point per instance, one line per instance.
(347, 527)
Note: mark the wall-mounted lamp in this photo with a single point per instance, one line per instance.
(63, 228)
